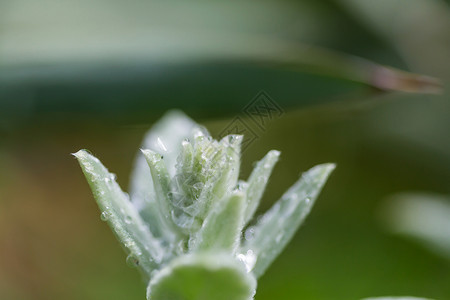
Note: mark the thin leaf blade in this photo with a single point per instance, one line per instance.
(165, 137)
(144, 249)
(162, 187)
(257, 182)
(277, 226)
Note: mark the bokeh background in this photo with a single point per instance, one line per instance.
(97, 74)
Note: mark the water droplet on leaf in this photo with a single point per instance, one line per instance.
(249, 259)
(132, 261)
(105, 216)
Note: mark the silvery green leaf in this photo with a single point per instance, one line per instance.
(222, 228)
(205, 276)
(144, 250)
(276, 227)
(257, 182)
(224, 173)
(162, 187)
(185, 190)
(232, 144)
(198, 163)
(185, 163)
(164, 137)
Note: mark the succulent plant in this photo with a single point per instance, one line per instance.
(187, 224)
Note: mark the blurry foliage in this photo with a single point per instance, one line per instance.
(421, 216)
(108, 59)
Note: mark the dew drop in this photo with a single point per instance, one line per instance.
(132, 261)
(198, 132)
(249, 233)
(105, 216)
(242, 186)
(128, 220)
(129, 244)
(249, 260)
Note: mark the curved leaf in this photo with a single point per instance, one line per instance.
(165, 137)
(144, 249)
(202, 277)
(257, 182)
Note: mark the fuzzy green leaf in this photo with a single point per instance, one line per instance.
(257, 182)
(162, 187)
(202, 277)
(277, 227)
(165, 137)
(144, 249)
(222, 228)
(224, 173)
(232, 144)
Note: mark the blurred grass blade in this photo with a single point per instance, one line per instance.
(276, 227)
(165, 137)
(144, 250)
(257, 182)
(418, 29)
(424, 217)
(323, 61)
(133, 97)
(222, 228)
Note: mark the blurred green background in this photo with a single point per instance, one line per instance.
(97, 74)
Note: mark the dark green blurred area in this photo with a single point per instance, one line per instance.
(92, 85)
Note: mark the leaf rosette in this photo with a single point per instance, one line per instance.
(186, 224)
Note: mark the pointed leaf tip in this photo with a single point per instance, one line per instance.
(161, 181)
(323, 170)
(81, 153)
(121, 215)
(257, 182)
(276, 227)
(167, 133)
